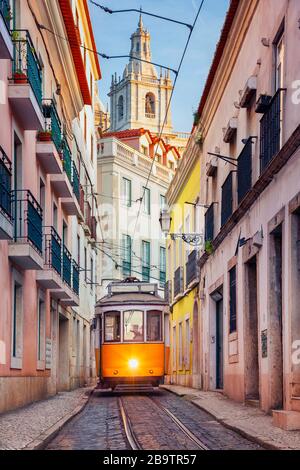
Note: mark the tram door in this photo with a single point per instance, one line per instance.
(219, 344)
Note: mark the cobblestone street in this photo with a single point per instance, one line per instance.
(100, 426)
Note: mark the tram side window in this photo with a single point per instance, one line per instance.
(112, 326)
(154, 326)
(133, 325)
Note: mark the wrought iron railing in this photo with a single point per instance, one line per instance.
(227, 202)
(192, 269)
(6, 12)
(146, 273)
(67, 266)
(76, 182)
(52, 122)
(209, 223)
(28, 218)
(75, 277)
(53, 258)
(67, 159)
(178, 281)
(244, 170)
(5, 184)
(271, 130)
(26, 65)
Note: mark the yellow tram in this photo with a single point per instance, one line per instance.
(131, 325)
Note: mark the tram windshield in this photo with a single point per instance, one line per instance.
(154, 326)
(113, 326)
(133, 325)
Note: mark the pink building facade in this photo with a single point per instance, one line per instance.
(249, 136)
(47, 223)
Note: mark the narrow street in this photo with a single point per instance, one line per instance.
(159, 421)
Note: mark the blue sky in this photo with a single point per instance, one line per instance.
(112, 33)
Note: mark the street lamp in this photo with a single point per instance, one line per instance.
(165, 220)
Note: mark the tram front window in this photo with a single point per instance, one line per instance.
(112, 326)
(154, 326)
(133, 325)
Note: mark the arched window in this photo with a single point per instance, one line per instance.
(150, 105)
(120, 107)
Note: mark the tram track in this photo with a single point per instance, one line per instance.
(132, 437)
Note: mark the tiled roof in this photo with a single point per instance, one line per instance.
(127, 133)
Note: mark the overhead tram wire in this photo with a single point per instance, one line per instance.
(110, 11)
(105, 56)
(167, 110)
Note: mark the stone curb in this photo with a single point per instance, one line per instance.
(40, 442)
(262, 441)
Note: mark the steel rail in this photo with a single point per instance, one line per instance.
(130, 436)
(183, 428)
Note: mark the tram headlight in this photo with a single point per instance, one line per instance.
(133, 363)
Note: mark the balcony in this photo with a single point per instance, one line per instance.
(48, 146)
(227, 199)
(271, 130)
(209, 223)
(244, 171)
(62, 183)
(178, 282)
(71, 205)
(50, 276)
(25, 88)
(192, 270)
(71, 279)
(6, 45)
(27, 247)
(6, 225)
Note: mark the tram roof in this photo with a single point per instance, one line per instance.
(131, 291)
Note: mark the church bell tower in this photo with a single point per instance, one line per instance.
(140, 97)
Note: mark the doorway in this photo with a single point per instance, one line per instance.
(275, 342)
(63, 356)
(251, 331)
(219, 345)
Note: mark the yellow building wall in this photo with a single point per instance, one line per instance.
(177, 256)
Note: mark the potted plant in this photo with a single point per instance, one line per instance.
(209, 247)
(19, 77)
(45, 136)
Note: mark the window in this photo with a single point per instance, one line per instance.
(55, 216)
(158, 158)
(112, 327)
(145, 261)
(232, 300)
(85, 264)
(85, 127)
(227, 200)
(180, 347)
(146, 200)
(126, 264)
(145, 150)
(126, 192)
(279, 61)
(162, 266)
(17, 323)
(133, 325)
(120, 108)
(92, 147)
(78, 250)
(174, 348)
(92, 274)
(187, 343)
(162, 202)
(154, 325)
(171, 165)
(41, 332)
(150, 105)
